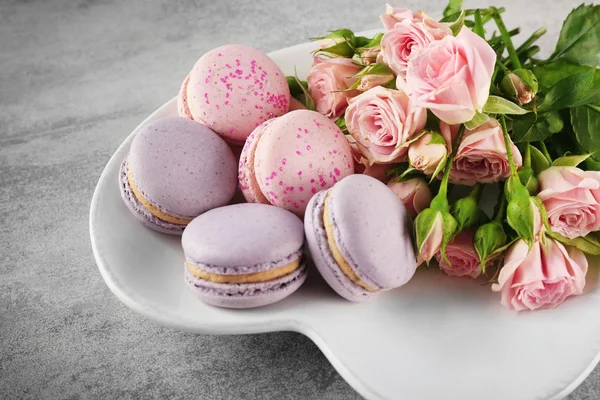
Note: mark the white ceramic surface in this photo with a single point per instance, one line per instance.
(438, 337)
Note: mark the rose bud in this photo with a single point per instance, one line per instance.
(328, 81)
(370, 81)
(340, 42)
(489, 238)
(466, 211)
(414, 193)
(520, 84)
(528, 179)
(428, 153)
(572, 199)
(463, 258)
(540, 276)
(524, 216)
(433, 230)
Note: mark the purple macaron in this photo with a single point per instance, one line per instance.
(244, 255)
(359, 236)
(176, 170)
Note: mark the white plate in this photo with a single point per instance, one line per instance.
(437, 337)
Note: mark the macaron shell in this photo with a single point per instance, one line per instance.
(373, 231)
(182, 167)
(316, 240)
(234, 88)
(139, 211)
(246, 177)
(247, 237)
(298, 155)
(245, 295)
(182, 106)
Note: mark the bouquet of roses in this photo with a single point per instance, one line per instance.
(433, 105)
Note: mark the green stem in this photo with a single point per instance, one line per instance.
(527, 157)
(531, 39)
(476, 191)
(498, 39)
(545, 152)
(478, 24)
(444, 186)
(516, 63)
(511, 162)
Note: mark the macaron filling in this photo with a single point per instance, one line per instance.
(256, 277)
(339, 258)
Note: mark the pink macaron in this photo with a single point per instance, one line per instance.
(232, 89)
(287, 160)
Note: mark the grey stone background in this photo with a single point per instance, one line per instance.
(75, 78)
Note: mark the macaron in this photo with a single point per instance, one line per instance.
(287, 160)
(359, 236)
(176, 169)
(232, 89)
(244, 255)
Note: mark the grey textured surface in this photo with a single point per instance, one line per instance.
(75, 78)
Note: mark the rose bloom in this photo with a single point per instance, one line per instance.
(371, 55)
(394, 15)
(452, 76)
(408, 37)
(481, 155)
(462, 255)
(540, 277)
(414, 194)
(426, 156)
(380, 121)
(327, 81)
(370, 81)
(572, 200)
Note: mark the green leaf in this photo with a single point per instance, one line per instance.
(550, 74)
(375, 69)
(570, 161)
(579, 40)
(478, 120)
(569, 92)
(530, 129)
(499, 105)
(453, 7)
(586, 126)
(588, 244)
(457, 25)
(539, 162)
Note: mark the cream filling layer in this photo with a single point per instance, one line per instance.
(153, 210)
(337, 254)
(255, 277)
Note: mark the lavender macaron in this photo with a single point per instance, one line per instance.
(244, 255)
(176, 170)
(359, 236)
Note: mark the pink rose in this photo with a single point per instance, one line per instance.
(414, 193)
(407, 38)
(540, 277)
(481, 155)
(381, 120)
(452, 76)
(462, 256)
(571, 197)
(394, 15)
(425, 155)
(370, 81)
(327, 81)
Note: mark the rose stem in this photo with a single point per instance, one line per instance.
(527, 157)
(507, 40)
(531, 39)
(444, 186)
(545, 152)
(478, 24)
(501, 207)
(498, 39)
(511, 162)
(476, 191)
